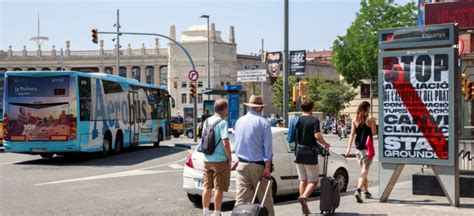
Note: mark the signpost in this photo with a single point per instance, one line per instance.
(419, 122)
(252, 76)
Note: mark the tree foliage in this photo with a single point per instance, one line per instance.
(314, 83)
(355, 54)
(334, 97)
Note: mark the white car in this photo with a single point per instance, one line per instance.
(284, 175)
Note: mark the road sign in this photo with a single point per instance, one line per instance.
(193, 75)
(252, 79)
(246, 73)
(251, 66)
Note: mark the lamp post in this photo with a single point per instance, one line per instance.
(208, 56)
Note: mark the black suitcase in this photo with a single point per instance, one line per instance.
(253, 209)
(330, 196)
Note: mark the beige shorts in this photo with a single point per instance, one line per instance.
(217, 176)
(307, 172)
(363, 159)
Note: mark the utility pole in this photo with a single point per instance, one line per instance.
(118, 42)
(285, 67)
(262, 52)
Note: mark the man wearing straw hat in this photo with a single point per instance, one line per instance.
(253, 147)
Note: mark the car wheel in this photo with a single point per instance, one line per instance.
(274, 188)
(118, 143)
(160, 138)
(343, 178)
(47, 155)
(189, 134)
(176, 136)
(195, 199)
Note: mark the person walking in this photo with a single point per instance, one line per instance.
(308, 137)
(217, 166)
(253, 148)
(363, 127)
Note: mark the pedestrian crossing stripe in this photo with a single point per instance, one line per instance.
(176, 166)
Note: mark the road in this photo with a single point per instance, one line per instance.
(143, 181)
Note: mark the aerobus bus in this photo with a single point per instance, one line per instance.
(2, 77)
(61, 112)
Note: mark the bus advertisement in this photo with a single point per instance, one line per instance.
(51, 113)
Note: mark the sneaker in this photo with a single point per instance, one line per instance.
(368, 195)
(358, 196)
(304, 205)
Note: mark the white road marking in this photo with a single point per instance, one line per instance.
(136, 172)
(112, 175)
(176, 166)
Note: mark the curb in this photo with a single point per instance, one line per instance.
(184, 145)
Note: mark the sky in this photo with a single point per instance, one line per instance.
(313, 24)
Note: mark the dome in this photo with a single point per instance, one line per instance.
(198, 33)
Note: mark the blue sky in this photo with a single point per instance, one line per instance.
(314, 24)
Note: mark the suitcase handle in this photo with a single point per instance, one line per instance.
(266, 192)
(326, 161)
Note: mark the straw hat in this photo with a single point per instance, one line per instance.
(255, 101)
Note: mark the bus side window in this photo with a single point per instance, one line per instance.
(85, 98)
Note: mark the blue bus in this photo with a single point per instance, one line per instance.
(61, 112)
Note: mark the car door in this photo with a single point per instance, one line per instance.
(283, 165)
(290, 151)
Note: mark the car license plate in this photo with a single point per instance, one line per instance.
(199, 183)
(39, 150)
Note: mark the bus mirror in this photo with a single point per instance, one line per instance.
(172, 101)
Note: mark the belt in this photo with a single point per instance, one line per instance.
(252, 162)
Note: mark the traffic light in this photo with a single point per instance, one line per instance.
(303, 90)
(295, 94)
(464, 89)
(192, 89)
(469, 90)
(264, 59)
(95, 36)
(175, 85)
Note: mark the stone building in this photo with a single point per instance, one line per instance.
(164, 65)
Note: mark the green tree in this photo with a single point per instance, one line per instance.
(334, 97)
(314, 83)
(355, 54)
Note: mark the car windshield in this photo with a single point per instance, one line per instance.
(231, 140)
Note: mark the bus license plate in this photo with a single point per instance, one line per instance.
(39, 150)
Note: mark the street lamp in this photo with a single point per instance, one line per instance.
(208, 56)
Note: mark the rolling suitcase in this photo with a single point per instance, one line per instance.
(330, 197)
(253, 209)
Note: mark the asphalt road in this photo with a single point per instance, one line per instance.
(142, 181)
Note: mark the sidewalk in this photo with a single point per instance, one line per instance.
(400, 202)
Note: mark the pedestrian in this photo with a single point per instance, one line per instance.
(204, 116)
(253, 147)
(363, 127)
(217, 166)
(308, 138)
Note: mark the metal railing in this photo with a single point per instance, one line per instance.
(135, 52)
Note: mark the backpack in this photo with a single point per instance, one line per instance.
(292, 129)
(208, 142)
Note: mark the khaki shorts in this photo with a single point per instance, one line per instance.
(217, 176)
(307, 172)
(363, 159)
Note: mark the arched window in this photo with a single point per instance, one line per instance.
(108, 70)
(45, 69)
(31, 69)
(123, 72)
(150, 75)
(164, 75)
(17, 69)
(136, 73)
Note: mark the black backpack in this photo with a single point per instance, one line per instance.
(208, 142)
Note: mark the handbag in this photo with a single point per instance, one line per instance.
(370, 147)
(306, 154)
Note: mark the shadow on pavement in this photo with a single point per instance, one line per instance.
(427, 202)
(128, 157)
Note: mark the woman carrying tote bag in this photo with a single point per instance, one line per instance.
(362, 131)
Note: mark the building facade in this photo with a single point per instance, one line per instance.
(165, 65)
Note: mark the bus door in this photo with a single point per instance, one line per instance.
(134, 123)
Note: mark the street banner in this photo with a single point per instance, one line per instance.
(274, 65)
(421, 11)
(297, 62)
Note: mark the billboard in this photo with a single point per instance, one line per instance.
(451, 12)
(274, 64)
(297, 62)
(417, 98)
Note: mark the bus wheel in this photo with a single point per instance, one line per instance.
(105, 146)
(47, 155)
(118, 143)
(160, 138)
